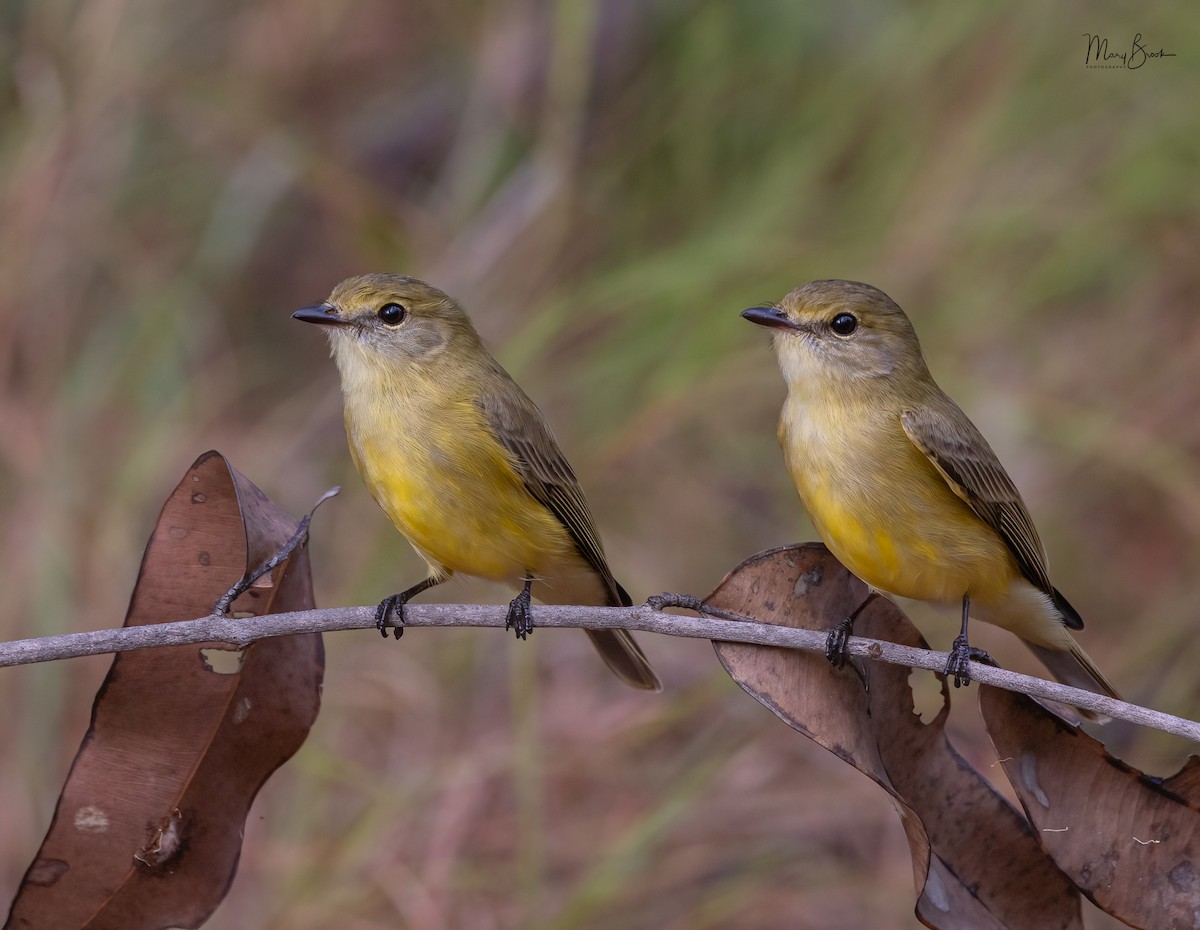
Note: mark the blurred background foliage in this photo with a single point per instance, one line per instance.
(604, 185)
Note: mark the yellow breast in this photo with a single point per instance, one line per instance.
(885, 512)
(449, 487)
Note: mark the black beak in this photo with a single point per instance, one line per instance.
(769, 316)
(321, 313)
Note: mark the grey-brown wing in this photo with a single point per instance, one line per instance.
(519, 426)
(960, 453)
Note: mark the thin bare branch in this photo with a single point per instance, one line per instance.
(242, 631)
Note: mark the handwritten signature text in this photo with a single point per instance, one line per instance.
(1099, 55)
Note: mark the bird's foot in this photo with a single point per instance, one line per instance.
(390, 613)
(836, 641)
(961, 655)
(520, 615)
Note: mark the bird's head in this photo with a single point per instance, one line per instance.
(839, 331)
(391, 319)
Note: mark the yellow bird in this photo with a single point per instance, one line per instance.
(901, 485)
(461, 460)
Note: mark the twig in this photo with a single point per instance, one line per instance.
(242, 631)
(221, 608)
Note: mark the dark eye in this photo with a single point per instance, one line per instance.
(844, 324)
(392, 314)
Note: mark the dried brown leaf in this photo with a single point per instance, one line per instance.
(1186, 782)
(976, 862)
(148, 827)
(1130, 842)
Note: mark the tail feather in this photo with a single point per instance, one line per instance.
(1075, 668)
(618, 648)
(625, 658)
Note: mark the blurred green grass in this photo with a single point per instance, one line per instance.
(604, 185)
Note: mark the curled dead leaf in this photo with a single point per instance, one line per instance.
(976, 862)
(148, 828)
(1130, 842)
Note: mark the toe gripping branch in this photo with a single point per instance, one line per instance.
(839, 636)
(520, 613)
(390, 612)
(963, 653)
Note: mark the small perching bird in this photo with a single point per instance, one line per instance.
(901, 486)
(461, 460)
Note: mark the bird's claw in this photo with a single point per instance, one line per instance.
(836, 641)
(520, 616)
(391, 605)
(962, 654)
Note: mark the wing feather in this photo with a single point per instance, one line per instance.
(521, 429)
(973, 472)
